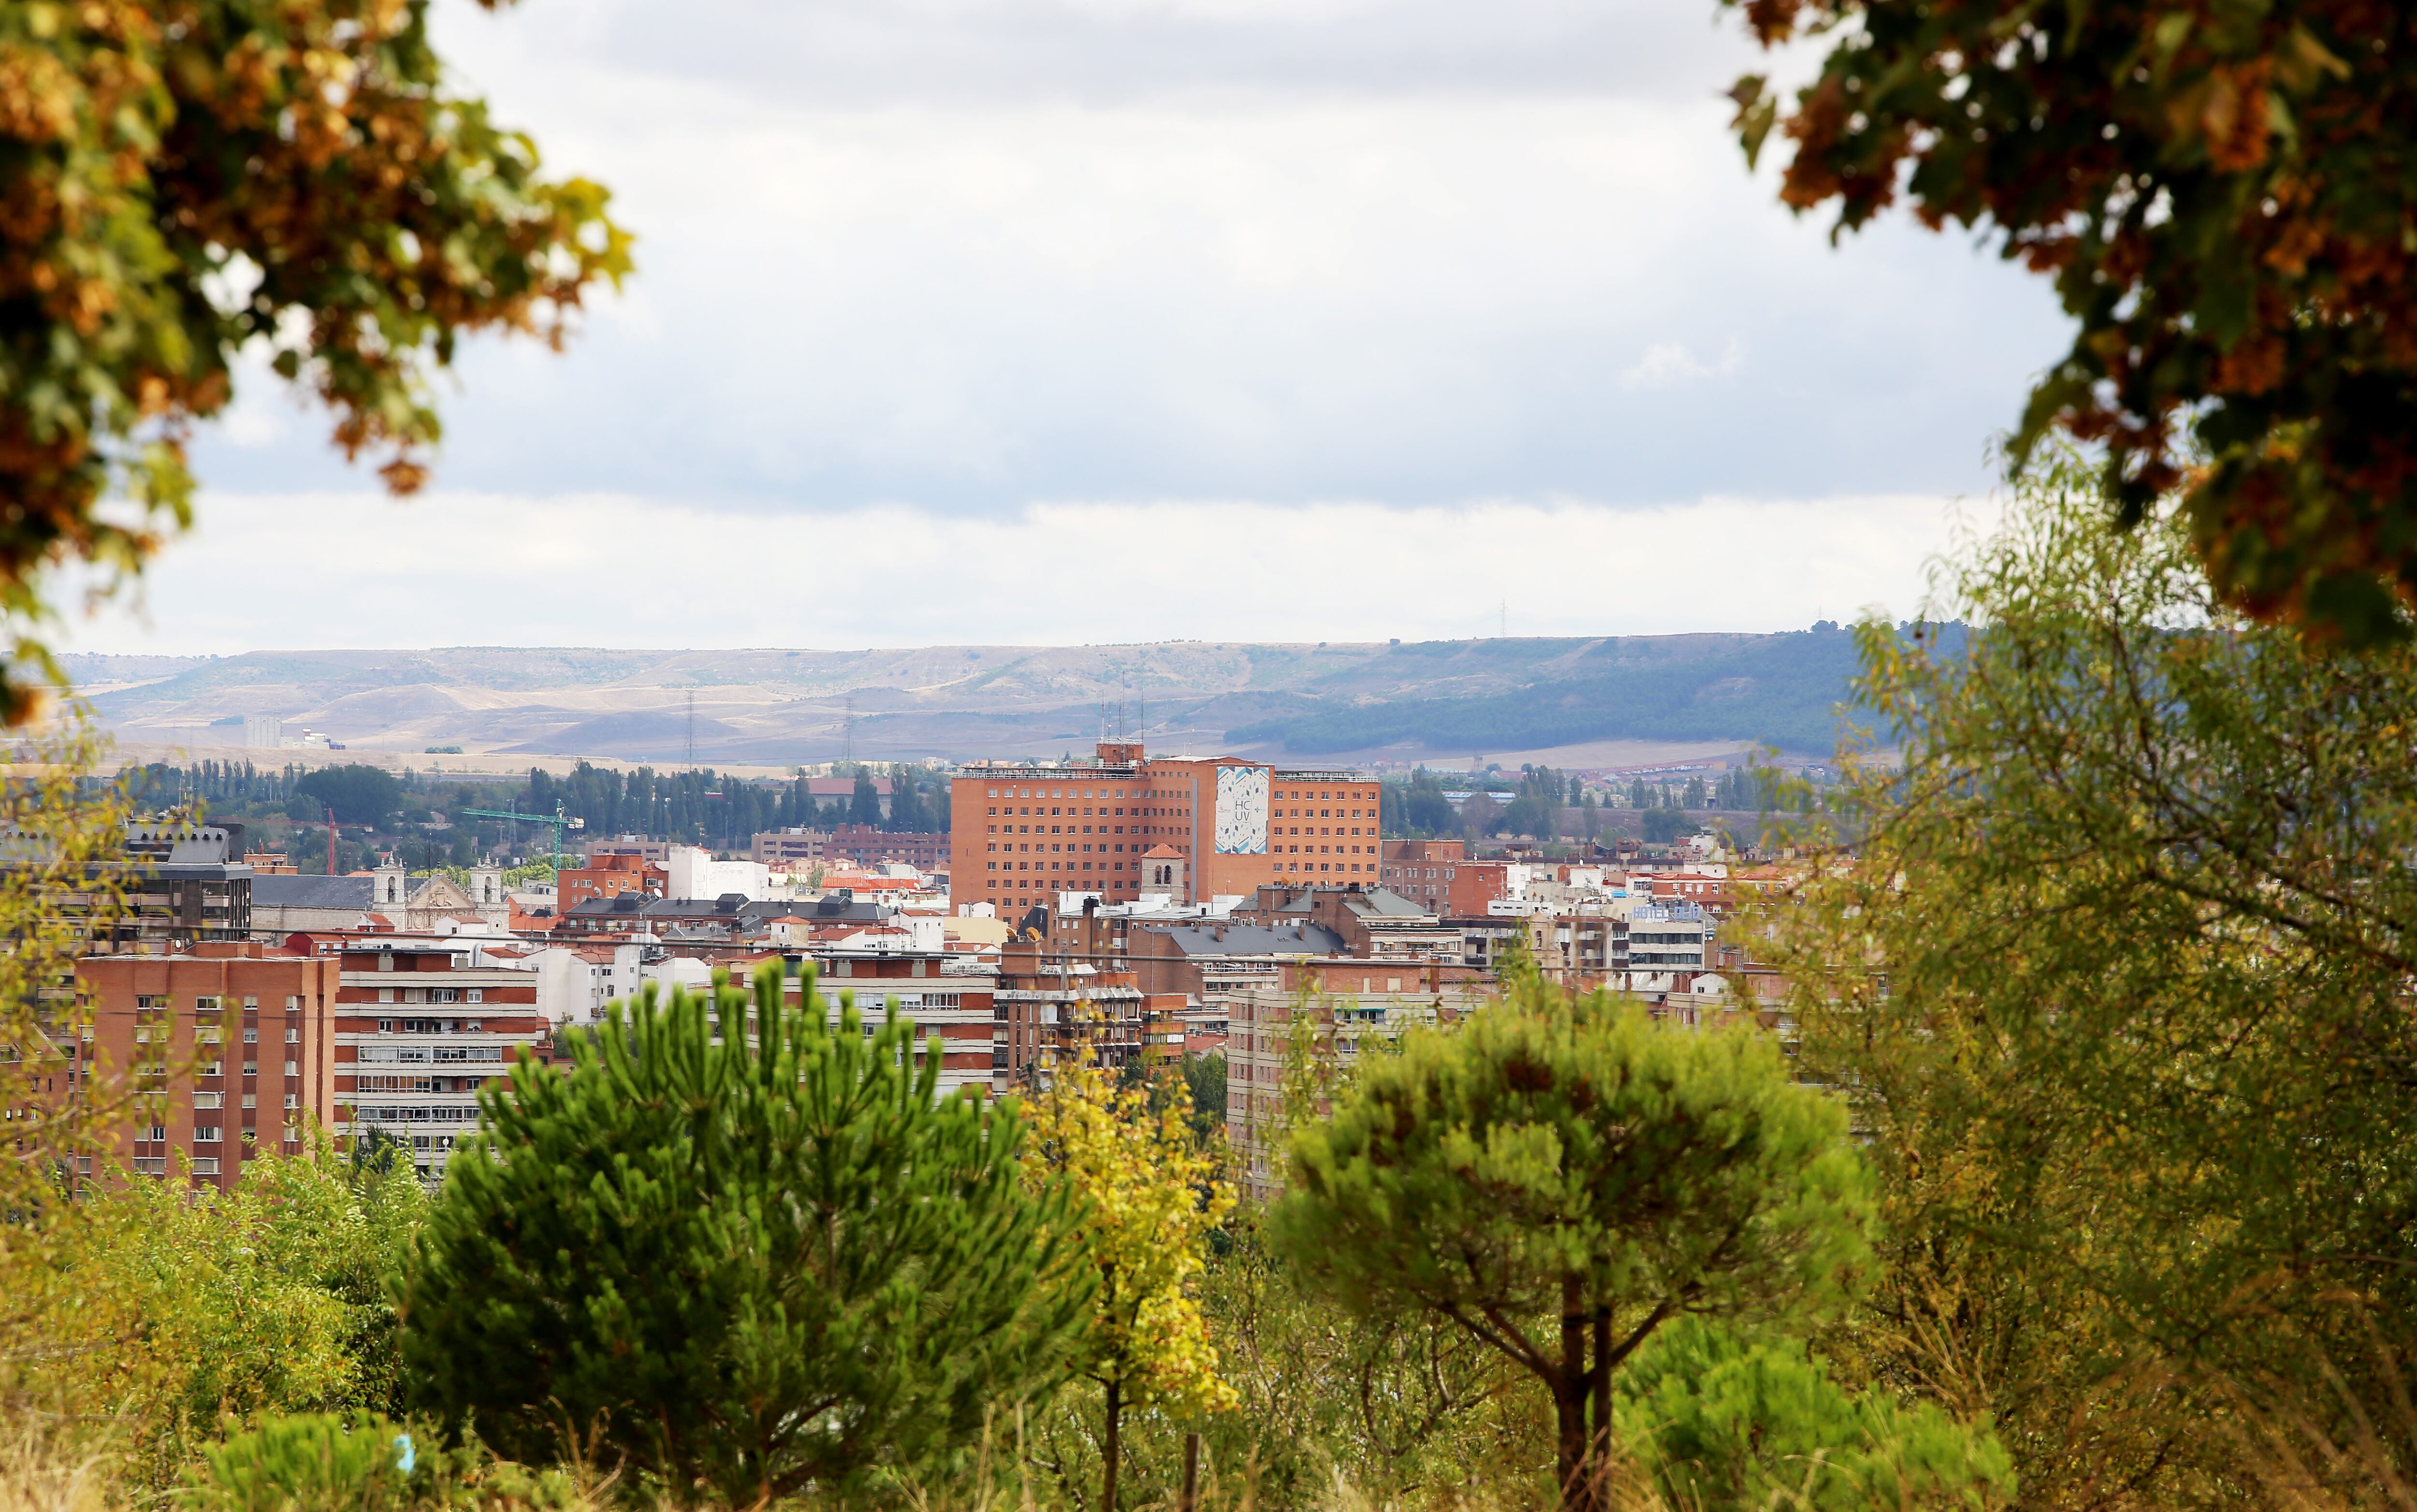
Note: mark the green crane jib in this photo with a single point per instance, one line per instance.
(556, 822)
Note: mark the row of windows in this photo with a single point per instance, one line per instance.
(1320, 850)
(1413, 872)
(251, 1099)
(1053, 866)
(457, 1113)
(404, 1084)
(433, 995)
(209, 1034)
(1063, 846)
(160, 1068)
(1059, 829)
(427, 1055)
(1322, 813)
(162, 1002)
(1072, 793)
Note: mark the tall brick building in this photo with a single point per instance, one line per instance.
(232, 1042)
(1020, 836)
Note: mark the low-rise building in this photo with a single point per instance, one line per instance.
(864, 845)
(1371, 923)
(609, 875)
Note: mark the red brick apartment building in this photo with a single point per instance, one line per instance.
(609, 874)
(419, 1031)
(1439, 874)
(237, 1039)
(1022, 834)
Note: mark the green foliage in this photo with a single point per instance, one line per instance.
(749, 1250)
(358, 794)
(1417, 808)
(2219, 192)
(1560, 1177)
(164, 1313)
(308, 1460)
(1663, 826)
(1204, 1079)
(864, 808)
(2120, 983)
(1726, 1421)
(320, 1463)
(1401, 1407)
(190, 180)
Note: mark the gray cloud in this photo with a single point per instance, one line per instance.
(961, 256)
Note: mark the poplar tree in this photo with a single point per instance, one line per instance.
(1559, 1177)
(748, 1251)
(2119, 974)
(1150, 1198)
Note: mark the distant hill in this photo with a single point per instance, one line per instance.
(774, 706)
(1783, 689)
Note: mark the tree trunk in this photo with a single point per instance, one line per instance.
(1190, 1500)
(1108, 1448)
(1599, 1442)
(1570, 1385)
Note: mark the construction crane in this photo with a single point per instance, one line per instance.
(557, 822)
(333, 828)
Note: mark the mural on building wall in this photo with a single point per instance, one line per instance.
(1241, 810)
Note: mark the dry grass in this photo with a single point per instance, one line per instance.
(39, 1474)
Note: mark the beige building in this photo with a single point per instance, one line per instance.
(1348, 1002)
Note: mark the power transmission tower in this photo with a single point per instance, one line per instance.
(688, 753)
(847, 734)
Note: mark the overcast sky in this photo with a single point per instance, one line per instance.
(1111, 319)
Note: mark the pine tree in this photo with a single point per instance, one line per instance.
(1560, 1177)
(749, 1250)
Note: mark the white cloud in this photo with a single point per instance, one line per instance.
(478, 569)
(908, 267)
(1671, 365)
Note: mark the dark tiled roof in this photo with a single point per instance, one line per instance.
(280, 891)
(1255, 939)
(1385, 900)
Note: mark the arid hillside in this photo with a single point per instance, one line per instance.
(1448, 700)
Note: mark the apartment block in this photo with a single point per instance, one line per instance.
(420, 1030)
(867, 846)
(1349, 1005)
(1124, 823)
(794, 849)
(933, 993)
(609, 874)
(1424, 870)
(230, 1044)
